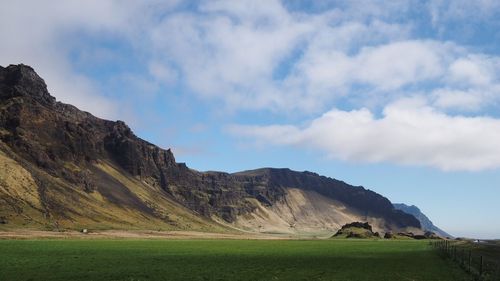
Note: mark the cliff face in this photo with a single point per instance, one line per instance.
(77, 160)
(87, 171)
(50, 134)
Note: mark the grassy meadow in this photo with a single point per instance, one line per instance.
(351, 260)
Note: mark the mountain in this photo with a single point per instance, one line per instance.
(425, 222)
(63, 168)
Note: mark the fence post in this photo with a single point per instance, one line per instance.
(470, 257)
(498, 271)
(463, 257)
(481, 266)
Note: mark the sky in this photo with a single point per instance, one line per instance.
(400, 97)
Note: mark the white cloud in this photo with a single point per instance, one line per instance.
(385, 67)
(230, 51)
(472, 71)
(162, 72)
(458, 10)
(248, 54)
(394, 65)
(265, 57)
(254, 56)
(458, 99)
(410, 133)
(470, 84)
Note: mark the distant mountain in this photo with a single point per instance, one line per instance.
(425, 222)
(65, 168)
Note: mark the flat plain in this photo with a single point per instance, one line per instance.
(218, 259)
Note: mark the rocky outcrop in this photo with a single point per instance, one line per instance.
(364, 225)
(411, 235)
(357, 230)
(72, 146)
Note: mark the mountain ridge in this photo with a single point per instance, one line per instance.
(425, 222)
(78, 160)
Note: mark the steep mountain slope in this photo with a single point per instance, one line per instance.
(425, 222)
(64, 168)
(308, 202)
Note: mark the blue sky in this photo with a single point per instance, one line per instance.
(401, 97)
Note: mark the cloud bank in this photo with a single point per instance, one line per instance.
(409, 132)
(379, 81)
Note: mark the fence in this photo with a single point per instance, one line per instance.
(474, 262)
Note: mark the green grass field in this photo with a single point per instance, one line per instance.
(223, 260)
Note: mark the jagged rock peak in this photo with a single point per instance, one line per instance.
(25, 82)
(121, 128)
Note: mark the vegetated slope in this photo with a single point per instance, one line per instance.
(65, 168)
(425, 222)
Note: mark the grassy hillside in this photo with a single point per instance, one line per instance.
(223, 260)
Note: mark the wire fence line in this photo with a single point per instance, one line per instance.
(481, 267)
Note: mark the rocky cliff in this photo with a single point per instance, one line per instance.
(69, 168)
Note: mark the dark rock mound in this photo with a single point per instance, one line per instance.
(364, 225)
(411, 235)
(356, 230)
